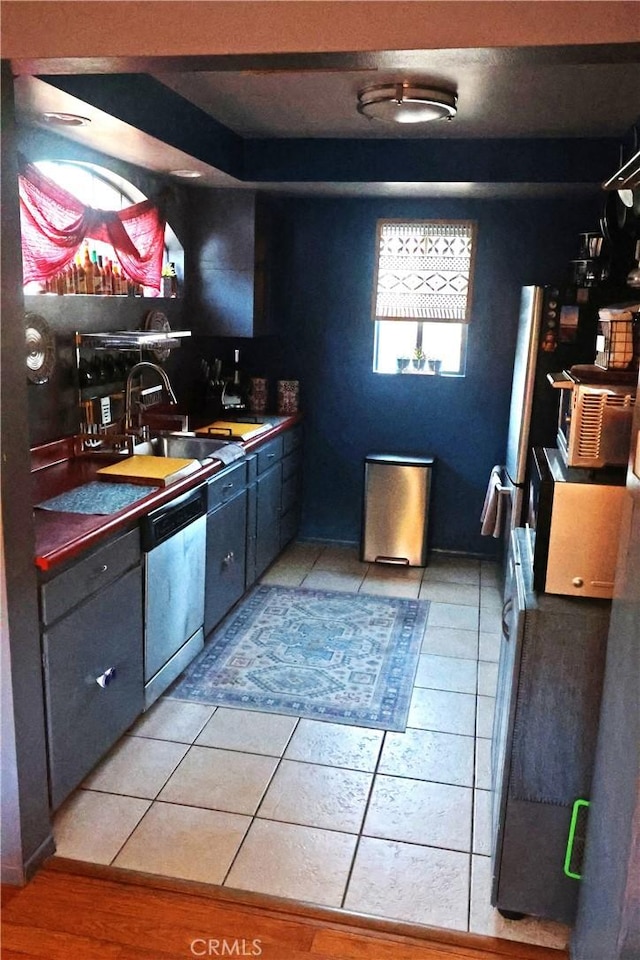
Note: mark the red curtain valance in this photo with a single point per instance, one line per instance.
(54, 223)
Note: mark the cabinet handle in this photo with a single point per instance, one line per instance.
(229, 559)
(505, 622)
(227, 486)
(270, 456)
(98, 571)
(105, 678)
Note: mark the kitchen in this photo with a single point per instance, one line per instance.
(466, 418)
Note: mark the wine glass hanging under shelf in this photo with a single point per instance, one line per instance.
(101, 381)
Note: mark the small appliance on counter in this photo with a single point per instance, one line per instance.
(574, 523)
(233, 394)
(617, 342)
(595, 415)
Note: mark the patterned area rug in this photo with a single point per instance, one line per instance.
(348, 658)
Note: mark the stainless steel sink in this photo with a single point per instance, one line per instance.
(191, 447)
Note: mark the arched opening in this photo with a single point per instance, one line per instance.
(98, 187)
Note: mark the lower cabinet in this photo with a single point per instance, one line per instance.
(93, 666)
(268, 496)
(92, 612)
(225, 564)
(274, 500)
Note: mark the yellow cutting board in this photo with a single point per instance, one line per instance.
(148, 469)
(233, 430)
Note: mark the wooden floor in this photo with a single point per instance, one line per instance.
(77, 913)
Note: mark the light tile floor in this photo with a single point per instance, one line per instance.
(394, 825)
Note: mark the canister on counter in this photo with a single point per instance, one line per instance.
(258, 394)
(288, 395)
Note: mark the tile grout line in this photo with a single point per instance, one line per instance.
(475, 761)
(359, 835)
(254, 816)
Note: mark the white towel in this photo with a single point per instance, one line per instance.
(492, 516)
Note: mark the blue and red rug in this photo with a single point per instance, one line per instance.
(344, 657)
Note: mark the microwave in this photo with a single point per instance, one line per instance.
(595, 416)
(575, 524)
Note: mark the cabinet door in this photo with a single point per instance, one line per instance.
(225, 564)
(268, 498)
(290, 511)
(93, 680)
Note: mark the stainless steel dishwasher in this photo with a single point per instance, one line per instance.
(174, 544)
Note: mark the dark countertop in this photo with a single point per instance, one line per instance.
(61, 536)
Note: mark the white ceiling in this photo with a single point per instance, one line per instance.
(533, 93)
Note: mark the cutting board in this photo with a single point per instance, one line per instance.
(160, 471)
(233, 430)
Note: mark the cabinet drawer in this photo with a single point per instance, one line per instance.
(292, 439)
(226, 485)
(89, 575)
(93, 680)
(269, 454)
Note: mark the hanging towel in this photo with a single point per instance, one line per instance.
(492, 516)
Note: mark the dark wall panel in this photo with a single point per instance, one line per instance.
(323, 295)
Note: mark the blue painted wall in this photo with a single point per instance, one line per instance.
(322, 293)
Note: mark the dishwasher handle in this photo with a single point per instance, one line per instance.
(173, 517)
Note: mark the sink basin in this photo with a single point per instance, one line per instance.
(192, 448)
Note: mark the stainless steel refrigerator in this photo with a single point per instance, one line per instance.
(556, 329)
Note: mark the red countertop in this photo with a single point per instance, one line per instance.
(55, 469)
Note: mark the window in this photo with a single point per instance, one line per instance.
(102, 189)
(422, 295)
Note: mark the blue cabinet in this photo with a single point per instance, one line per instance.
(226, 543)
(93, 665)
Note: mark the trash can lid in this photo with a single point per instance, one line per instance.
(399, 459)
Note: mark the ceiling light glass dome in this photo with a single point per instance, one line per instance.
(407, 103)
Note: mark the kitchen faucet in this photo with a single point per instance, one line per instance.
(128, 396)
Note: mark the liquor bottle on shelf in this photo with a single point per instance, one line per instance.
(105, 279)
(97, 276)
(173, 278)
(87, 265)
(81, 286)
(108, 277)
(72, 277)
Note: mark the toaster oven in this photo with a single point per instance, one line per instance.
(595, 415)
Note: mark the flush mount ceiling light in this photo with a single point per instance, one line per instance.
(186, 174)
(405, 102)
(65, 119)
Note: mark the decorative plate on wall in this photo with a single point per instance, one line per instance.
(156, 320)
(41, 349)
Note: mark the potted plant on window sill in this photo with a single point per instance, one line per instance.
(402, 362)
(419, 359)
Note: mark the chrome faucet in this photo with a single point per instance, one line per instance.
(128, 395)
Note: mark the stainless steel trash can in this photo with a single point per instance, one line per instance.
(397, 490)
